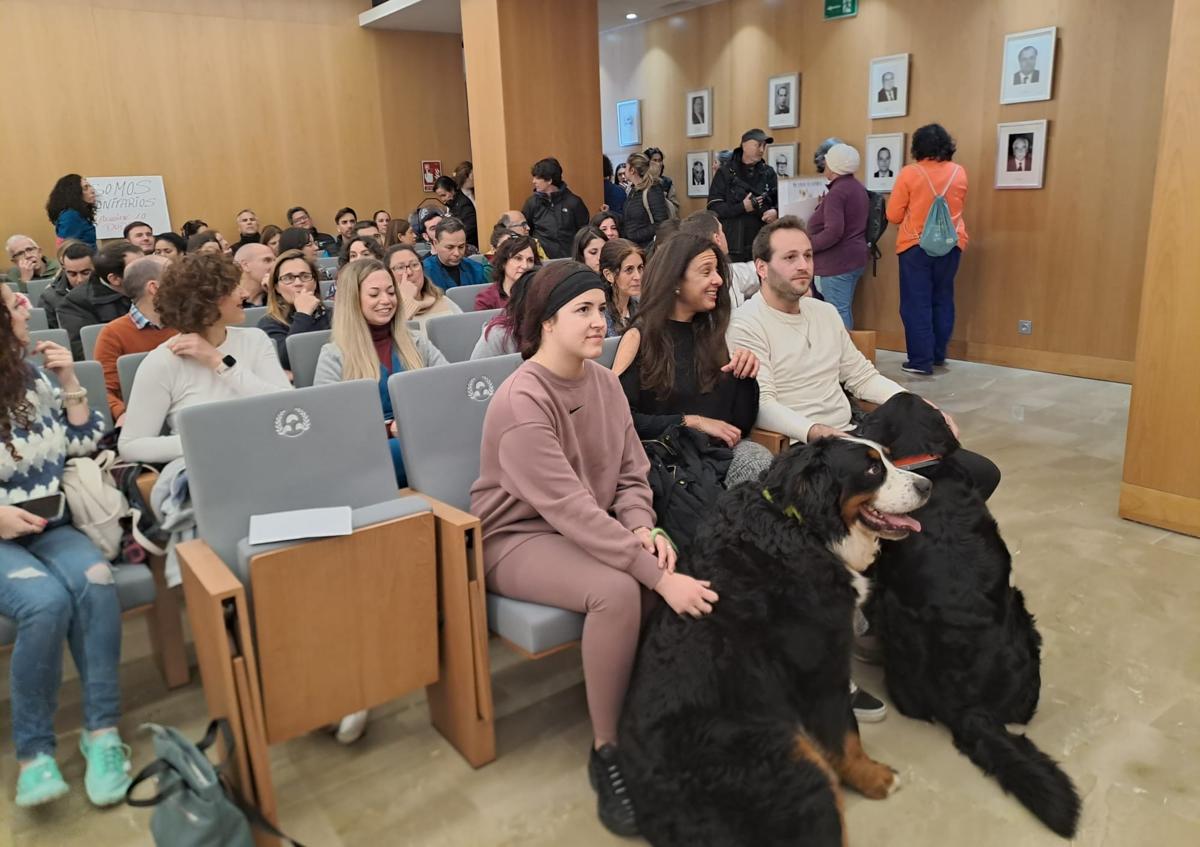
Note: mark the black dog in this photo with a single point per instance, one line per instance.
(959, 646)
(737, 729)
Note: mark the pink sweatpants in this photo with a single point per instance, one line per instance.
(554, 571)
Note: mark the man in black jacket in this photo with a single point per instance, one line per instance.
(745, 194)
(78, 265)
(459, 205)
(100, 299)
(553, 210)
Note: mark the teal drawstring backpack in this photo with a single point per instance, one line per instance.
(939, 236)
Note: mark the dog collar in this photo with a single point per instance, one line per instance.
(790, 511)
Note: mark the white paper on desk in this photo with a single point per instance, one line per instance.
(300, 523)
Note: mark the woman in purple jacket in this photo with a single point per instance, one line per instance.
(838, 229)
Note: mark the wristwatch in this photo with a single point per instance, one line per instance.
(227, 362)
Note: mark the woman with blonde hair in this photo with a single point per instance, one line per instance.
(647, 206)
(421, 298)
(371, 339)
(293, 302)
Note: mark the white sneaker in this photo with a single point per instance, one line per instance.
(351, 728)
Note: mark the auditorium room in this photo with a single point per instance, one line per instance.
(557, 423)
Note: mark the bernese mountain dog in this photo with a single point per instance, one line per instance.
(959, 646)
(737, 729)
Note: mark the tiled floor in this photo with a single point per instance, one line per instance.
(1116, 603)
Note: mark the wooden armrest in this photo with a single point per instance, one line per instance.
(864, 340)
(145, 483)
(444, 511)
(776, 442)
(212, 574)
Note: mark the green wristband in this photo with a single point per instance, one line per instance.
(657, 531)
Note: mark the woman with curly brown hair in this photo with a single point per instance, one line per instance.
(71, 207)
(54, 582)
(515, 255)
(213, 357)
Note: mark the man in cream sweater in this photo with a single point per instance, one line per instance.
(805, 355)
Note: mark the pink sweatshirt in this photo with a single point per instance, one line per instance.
(558, 455)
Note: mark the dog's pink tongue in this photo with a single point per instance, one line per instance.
(904, 522)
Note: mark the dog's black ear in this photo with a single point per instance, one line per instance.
(909, 426)
(803, 480)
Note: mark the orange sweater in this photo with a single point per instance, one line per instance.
(911, 198)
(120, 338)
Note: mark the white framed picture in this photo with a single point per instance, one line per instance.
(783, 101)
(887, 87)
(1020, 154)
(629, 123)
(699, 172)
(698, 109)
(1028, 65)
(782, 157)
(885, 157)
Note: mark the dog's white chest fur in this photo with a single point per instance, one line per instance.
(858, 550)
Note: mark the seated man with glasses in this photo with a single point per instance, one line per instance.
(29, 263)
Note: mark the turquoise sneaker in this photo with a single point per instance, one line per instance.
(108, 768)
(40, 783)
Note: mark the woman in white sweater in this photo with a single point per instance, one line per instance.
(213, 357)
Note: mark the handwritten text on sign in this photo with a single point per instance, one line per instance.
(123, 199)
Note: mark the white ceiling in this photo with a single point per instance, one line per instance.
(445, 15)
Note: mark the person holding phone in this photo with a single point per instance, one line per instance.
(54, 582)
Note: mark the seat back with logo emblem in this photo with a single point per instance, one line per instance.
(439, 419)
(302, 449)
(455, 335)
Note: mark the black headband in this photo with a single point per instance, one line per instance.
(570, 287)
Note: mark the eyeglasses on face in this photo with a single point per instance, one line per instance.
(293, 279)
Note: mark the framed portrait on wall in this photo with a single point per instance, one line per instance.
(783, 101)
(698, 108)
(782, 157)
(1020, 154)
(629, 123)
(884, 158)
(699, 172)
(1028, 65)
(887, 87)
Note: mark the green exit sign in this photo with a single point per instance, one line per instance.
(835, 9)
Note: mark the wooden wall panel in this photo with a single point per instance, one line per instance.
(1162, 456)
(263, 104)
(1068, 257)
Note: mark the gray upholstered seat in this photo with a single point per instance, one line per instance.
(252, 315)
(464, 296)
(439, 415)
(34, 289)
(302, 449)
(37, 319)
(610, 351)
(88, 336)
(135, 587)
(58, 336)
(127, 366)
(455, 335)
(303, 351)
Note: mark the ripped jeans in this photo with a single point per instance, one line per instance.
(51, 587)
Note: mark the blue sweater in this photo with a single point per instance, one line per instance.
(473, 273)
(45, 445)
(71, 224)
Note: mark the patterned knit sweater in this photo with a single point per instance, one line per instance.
(45, 445)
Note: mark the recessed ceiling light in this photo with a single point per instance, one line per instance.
(631, 16)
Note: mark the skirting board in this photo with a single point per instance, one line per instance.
(1160, 508)
(1069, 364)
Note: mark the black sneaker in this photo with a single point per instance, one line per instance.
(867, 707)
(614, 805)
(909, 367)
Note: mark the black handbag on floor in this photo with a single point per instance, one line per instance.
(194, 805)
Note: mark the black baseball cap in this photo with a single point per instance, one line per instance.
(756, 135)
